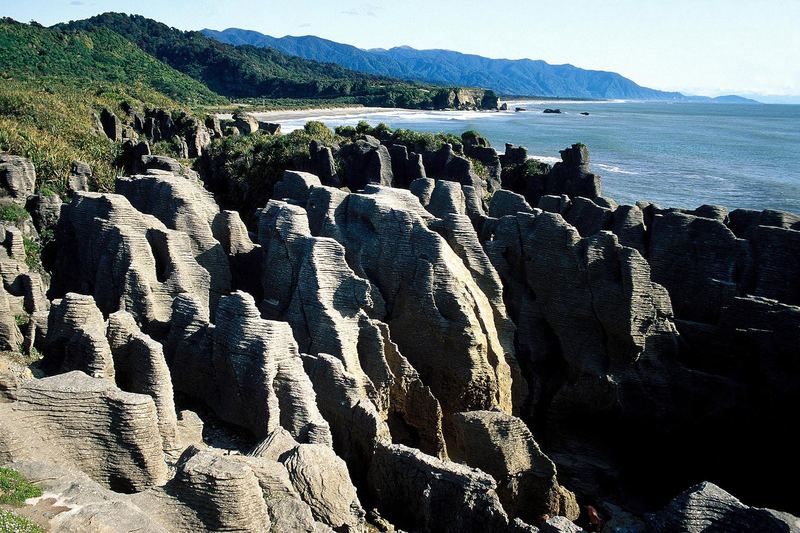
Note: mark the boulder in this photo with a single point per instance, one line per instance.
(79, 176)
(248, 370)
(707, 508)
(245, 123)
(112, 125)
(45, 211)
(503, 446)
(421, 493)
(17, 178)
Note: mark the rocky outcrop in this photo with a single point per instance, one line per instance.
(410, 267)
(79, 175)
(17, 178)
(421, 493)
(245, 123)
(366, 161)
(126, 260)
(76, 338)
(188, 208)
(503, 446)
(248, 370)
(85, 423)
(112, 125)
(572, 176)
(140, 367)
(707, 508)
(217, 493)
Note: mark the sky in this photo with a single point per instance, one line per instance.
(705, 47)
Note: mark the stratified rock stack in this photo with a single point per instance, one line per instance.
(89, 424)
(248, 370)
(126, 260)
(410, 352)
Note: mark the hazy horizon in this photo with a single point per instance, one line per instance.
(711, 48)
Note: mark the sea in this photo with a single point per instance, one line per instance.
(674, 154)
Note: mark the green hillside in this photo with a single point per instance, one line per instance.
(260, 73)
(53, 82)
(100, 55)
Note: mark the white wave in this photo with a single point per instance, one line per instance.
(613, 169)
(545, 159)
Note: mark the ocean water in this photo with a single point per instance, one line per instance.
(674, 154)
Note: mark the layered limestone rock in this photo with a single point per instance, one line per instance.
(17, 178)
(125, 259)
(707, 508)
(503, 446)
(141, 368)
(76, 338)
(89, 424)
(422, 493)
(317, 477)
(248, 370)
(438, 316)
(308, 283)
(184, 206)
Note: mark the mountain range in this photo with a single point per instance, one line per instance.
(518, 77)
(264, 73)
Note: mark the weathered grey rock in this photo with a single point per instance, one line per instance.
(322, 481)
(287, 511)
(76, 338)
(503, 446)
(508, 203)
(629, 227)
(356, 425)
(126, 260)
(248, 370)
(554, 204)
(44, 210)
(559, 524)
(186, 207)
(86, 423)
(411, 267)
(245, 123)
(272, 128)
(572, 175)
(86, 505)
(79, 175)
(776, 262)
(308, 282)
(421, 493)
(296, 185)
(198, 139)
(700, 262)
(213, 125)
(17, 178)
(447, 164)
(223, 493)
(366, 161)
(323, 164)
(422, 188)
(112, 126)
(446, 199)
(140, 367)
(588, 217)
(707, 508)
(10, 335)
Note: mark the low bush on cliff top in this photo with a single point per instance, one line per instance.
(15, 489)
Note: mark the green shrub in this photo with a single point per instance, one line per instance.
(346, 131)
(33, 253)
(13, 523)
(15, 489)
(13, 213)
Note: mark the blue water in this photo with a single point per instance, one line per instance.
(677, 155)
